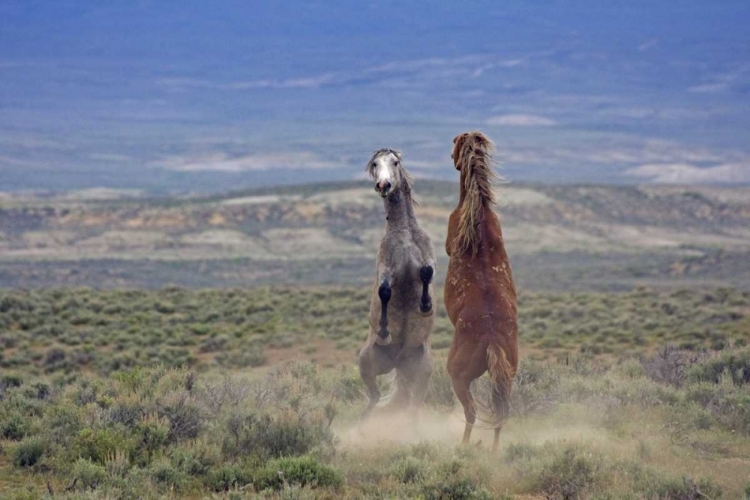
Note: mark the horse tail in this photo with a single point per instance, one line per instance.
(501, 379)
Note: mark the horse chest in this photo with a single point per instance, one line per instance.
(403, 261)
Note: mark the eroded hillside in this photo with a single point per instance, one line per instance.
(606, 237)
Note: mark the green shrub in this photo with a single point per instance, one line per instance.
(733, 411)
(722, 404)
(226, 477)
(683, 489)
(10, 381)
(62, 422)
(408, 470)
(348, 387)
(298, 471)
(28, 452)
(704, 393)
(13, 426)
(733, 363)
(252, 357)
(126, 412)
(281, 435)
(455, 488)
(164, 473)
(97, 445)
(152, 434)
(196, 458)
(516, 452)
(535, 389)
(214, 344)
(185, 420)
(117, 465)
(89, 474)
(569, 473)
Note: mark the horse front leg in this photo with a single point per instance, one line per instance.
(425, 274)
(384, 293)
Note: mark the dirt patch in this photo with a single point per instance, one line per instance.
(307, 243)
(508, 196)
(348, 197)
(224, 238)
(124, 239)
(321, 351)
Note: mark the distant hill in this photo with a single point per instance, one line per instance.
(559, 237)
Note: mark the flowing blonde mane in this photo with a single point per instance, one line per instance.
(473, 159)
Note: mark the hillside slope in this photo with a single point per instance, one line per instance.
(558, 236)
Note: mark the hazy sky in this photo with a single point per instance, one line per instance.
(191, 95)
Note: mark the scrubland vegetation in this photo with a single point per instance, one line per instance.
(62, 331)
(676, 425)
(170, 394)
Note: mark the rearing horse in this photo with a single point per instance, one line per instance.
(401, 309)
(480, 297)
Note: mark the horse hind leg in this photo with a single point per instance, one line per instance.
(373, 395)
(417, 368)
(373, 361)
(401, 394)
(414, 371)
(462, 389)
(496, 439)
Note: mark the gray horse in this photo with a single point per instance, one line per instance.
(401, 310)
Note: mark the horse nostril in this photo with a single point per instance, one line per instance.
(383, 186)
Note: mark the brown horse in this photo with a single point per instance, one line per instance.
(479, 293)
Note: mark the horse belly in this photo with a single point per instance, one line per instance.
(457, 284)
(415, 329)
(480, 311)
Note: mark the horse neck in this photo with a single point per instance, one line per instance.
(399, 209)
(474, 207)
(462, 190)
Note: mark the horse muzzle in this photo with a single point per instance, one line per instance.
(383, 188)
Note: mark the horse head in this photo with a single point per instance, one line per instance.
(385, 169)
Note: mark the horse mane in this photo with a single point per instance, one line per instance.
(407, 180)
(475, 162)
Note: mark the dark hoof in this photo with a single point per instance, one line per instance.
(425, 273)
(425, 308)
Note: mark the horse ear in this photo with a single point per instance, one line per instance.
(368, 165)
(397, 154)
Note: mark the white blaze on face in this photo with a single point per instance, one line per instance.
(384, 170)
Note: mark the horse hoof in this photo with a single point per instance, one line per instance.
(383, 340)
(426, 308)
